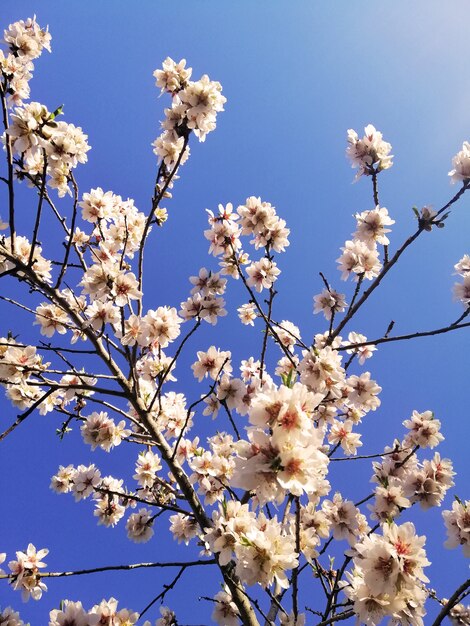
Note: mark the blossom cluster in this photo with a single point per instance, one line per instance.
(462, 289)
(360, 256)
(24, 572)
(402, 480)
(370, 154)
(25, 42)
(388, 575)
(296, 421)
(44, 146)
(194, 108)
(457, 522)
(257, 219)
(23, 373)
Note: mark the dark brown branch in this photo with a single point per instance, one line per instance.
(68, 247)
(425, 333)
(451, 602)
(34, 240)
(110, 568)
(388, 266)
(9, 156)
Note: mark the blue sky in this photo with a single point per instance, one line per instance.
(297, 75)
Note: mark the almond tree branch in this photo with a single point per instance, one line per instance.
(451, 602)
(389, 264)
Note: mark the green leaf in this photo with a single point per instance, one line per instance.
(57, 112)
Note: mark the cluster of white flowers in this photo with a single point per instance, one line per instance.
(101, 430)
(42, 142)
(24, 572)
(106, 612)
(22, 251)
(168, 618)
(295, 425)
(461, 164)
(283, 453)
(25, 42)
(457, 522)
(388, 575)
(23, 374)
(213, 469)
(118, 226)
(462, 290)
(36, 137)
(194, 108)
(460, 615)
(329, 302)
(257, 219)
(371, 154)
(263, 548)
(205, 301)
(225, 612)
(402, 480)
(85, 481)
(360, 255)
(19, 365)
(9, 617)
(362, 352)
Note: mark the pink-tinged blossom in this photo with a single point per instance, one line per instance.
(288, 333)
(424, 430)
(84, 481)
(370, 153)
(372, 226)
(341, 434)
(22, 250)
(168, 147)
(28, 126)
(262, 274)
(329, 302)
(462, 291)
(457, 522)
(108, 614)
(101, 313)
(428, 483)
(211, 309)
(96, 205)
(25, 575)
(363, 392)
(265, 554)
(461, 165)
(459, 614)
(62, 482)
(52, 319)
(211, 363)
(208, 283)
(27, 39)
(100, 430)
(139, 526)
(359, 259)
(147, 466)
(161, 327)
(225, 611)
(247, 314)
(173, 76)
(344, 518)
(388, 575)
(168, 618)
(9, 617)
(463, 266)
(363, 352)
(183, 527)
(72, 614)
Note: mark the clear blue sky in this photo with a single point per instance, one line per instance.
(297, 75)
